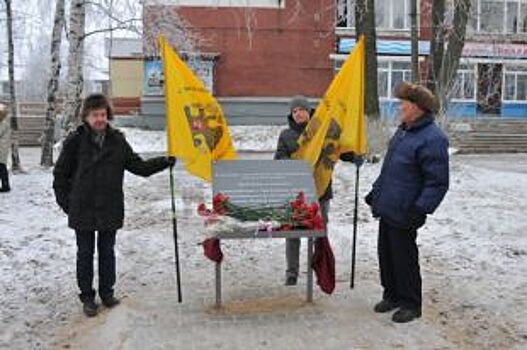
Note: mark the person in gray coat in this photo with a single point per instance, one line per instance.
(5, 136)
(297, 119)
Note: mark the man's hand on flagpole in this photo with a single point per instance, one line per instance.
(352, 158)
(171, 161)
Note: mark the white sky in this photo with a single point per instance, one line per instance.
(33, 20)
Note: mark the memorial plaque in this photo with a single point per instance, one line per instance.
(256, 183)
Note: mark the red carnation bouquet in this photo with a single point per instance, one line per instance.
(294, 215)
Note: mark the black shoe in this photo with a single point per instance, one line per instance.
(290, 281)
(385, 306)
(90, 308)
(110, 302)
(406, 315)
(5, 189)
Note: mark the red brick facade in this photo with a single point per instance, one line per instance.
(285, 51)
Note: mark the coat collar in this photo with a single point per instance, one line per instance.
(425, 120)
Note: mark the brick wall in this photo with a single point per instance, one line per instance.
(285, 51)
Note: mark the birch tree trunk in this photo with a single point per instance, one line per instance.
(15, 157)
(75, 80)
(46, 158)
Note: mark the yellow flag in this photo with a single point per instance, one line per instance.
(338, 124)
(197, 132)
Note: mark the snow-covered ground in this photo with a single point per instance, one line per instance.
(245, 138)
(473, 260)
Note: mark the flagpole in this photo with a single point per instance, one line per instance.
(174, 226)
(355, 220)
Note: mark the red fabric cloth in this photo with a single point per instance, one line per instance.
(324, 265)
(212, 249)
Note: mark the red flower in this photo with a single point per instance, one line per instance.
(285, 227)
(301, 197)
(219, 203)
(203, 211)
(318, 223)
(313, 208)
(307, 224)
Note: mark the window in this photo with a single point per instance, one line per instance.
(389, 14)
(522, 20)
(498, 16)
(383, 73)
(491, 16)
(345, 13)
(511, 16)
(515, 83)
(464, 87)
(400, 71)
(400, 14)
(390, 74)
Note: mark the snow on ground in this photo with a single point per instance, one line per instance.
(473, 260)
(245, 138)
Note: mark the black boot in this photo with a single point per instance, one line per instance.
(385, 306)
(110, 301)
(4, 178)
(290, 280)
(406, 315)
(90, 308)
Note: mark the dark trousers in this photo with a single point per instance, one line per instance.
(4, 176)
(399, 265)
(85, 252)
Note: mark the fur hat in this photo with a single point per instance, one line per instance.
(299, 101)
(419, 95)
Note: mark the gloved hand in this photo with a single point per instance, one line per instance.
(171, 161)
(352, 158)
(358, 161)
(416, 218)
(369, 198)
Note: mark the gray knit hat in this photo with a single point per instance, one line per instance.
(299, 101)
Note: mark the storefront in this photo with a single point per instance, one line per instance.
(491, 79)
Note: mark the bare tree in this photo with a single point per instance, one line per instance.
(445, 60)
(177, 31)
(74, 79)
(414, 33)
(365, 25)
(437, 42)
(15, 157)
(46, 158)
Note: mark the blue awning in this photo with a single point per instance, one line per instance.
(387, 47)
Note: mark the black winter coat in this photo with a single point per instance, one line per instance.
(88, 179)
(287, 145)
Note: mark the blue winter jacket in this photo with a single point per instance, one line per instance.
(414, 177)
